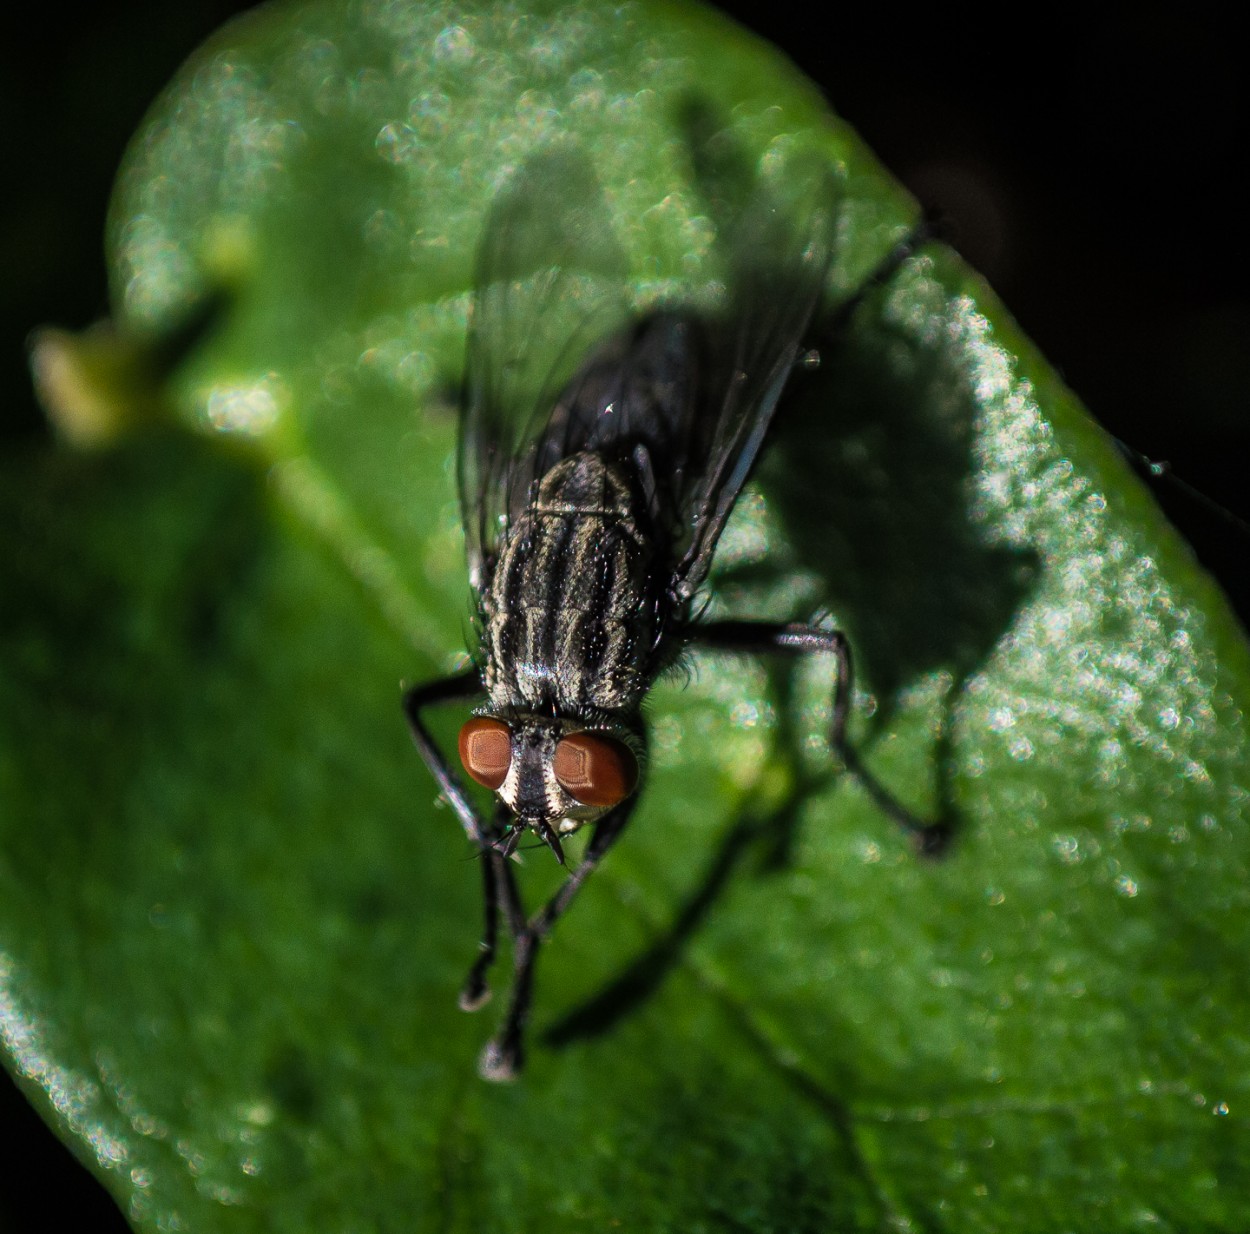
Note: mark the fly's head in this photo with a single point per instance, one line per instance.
(553, 775)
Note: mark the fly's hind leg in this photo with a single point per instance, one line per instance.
(504, 1055)
(930, 837)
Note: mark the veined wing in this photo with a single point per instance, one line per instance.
(688, 395)
(778, 266)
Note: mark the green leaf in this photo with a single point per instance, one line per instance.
(233, 919)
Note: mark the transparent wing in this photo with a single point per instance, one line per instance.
(549, 285)
(781, 250)
(684, 397)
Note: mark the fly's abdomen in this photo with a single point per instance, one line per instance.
(571, 610)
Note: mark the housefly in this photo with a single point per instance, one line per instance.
(593, 490)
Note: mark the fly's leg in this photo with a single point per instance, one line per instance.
(417, 699)
(757, 636)
(499, 889)
(476, 992)
(504, 1055)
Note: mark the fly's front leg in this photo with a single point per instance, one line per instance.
(446, 690)
(757, 636)
(504, 1054)
(499, 889)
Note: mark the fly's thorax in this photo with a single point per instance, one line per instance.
(586, 484)
(577, 600)
(553, 773)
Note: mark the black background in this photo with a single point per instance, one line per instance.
(1083, 167)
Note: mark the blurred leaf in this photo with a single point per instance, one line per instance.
(233, 920)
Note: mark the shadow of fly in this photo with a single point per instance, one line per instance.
(600, 453)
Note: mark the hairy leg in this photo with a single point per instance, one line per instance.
(767, 636)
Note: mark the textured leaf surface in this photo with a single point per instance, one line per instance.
(233, 920)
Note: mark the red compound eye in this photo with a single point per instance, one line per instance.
(594, 769)
(486, 750)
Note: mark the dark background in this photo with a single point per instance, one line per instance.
(1084, 169)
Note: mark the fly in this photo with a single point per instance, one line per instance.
(592, 505)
